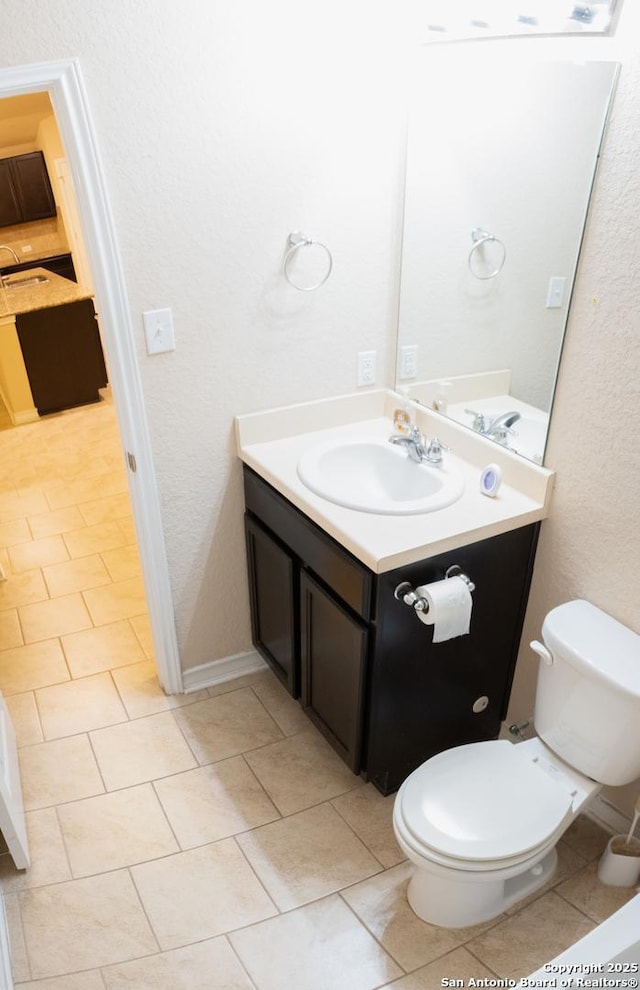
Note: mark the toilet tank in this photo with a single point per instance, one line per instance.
(588, 698)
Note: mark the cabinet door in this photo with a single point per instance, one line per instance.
(32, 185)
(334, 652)
(273, 588)
(9, 207)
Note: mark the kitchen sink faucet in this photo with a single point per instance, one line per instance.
(5, 247)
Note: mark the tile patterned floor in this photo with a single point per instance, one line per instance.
(206, 841)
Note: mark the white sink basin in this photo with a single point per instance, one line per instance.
(376, 476)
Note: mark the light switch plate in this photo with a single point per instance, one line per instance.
(158, 330)
(555, 294)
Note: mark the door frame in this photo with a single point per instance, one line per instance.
(63, 81)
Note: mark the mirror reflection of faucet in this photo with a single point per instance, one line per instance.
(496, 427)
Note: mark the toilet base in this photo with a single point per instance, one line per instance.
(453, 901)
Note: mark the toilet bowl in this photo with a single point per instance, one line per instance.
(480, 822)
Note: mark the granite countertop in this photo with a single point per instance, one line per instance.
(20, 295)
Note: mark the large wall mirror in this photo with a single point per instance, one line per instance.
(500, 168)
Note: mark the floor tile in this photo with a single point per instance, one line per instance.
(76, 575)
(114, 507)
(58, 521)
(146, 749)
(370, 815)
(25, 718)
(201, 893)
(300, 771)
(286, 712)
(208, 965)
(141, 693)
(521, 944)
(23, 589)
(381, 904)
(597, 900)
(115, 830)
(19, 960)
(10, 631)
(119, 600)
(14, 531)
(319, 946)
(79, 705)
(104, 648)
(142, 628)
(89, 980)
(123, 563)
(586, 837)
(214, 802)
(37, 553)
(53, 618)
(49, 862)
(307, 856)
(58, 771)
(32, 666)
(94, 539)
(227, 725)
(456, 965)
(84, 924)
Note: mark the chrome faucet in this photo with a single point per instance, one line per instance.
(498, 428)
(5, 247)
(420, 449)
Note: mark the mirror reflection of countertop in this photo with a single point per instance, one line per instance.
(272, 442)
(21, 295)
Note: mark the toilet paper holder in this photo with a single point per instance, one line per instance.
(405, 592)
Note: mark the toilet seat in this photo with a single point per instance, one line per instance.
(487, 804)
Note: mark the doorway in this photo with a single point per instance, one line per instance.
(63, 83)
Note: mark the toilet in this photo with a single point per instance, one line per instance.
(480, 822)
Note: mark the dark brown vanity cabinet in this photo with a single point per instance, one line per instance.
(364, 667)
(25, 189)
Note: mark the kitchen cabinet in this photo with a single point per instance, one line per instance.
(368, 672)
(25, 189)
(62, 355)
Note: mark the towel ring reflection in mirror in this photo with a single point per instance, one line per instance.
(481, 237)
(297, 241)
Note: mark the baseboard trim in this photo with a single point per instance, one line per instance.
(218, 671)
(604, 814)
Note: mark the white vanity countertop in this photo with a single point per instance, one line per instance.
(272, 442)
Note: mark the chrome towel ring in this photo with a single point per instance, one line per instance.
(296, 241)
(479, 238)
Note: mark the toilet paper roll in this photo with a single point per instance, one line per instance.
(449, 608)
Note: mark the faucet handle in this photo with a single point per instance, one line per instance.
(433, 453)
(479, 420)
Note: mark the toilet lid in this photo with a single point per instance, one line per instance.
(483, 801)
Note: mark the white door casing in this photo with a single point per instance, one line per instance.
(63, 81)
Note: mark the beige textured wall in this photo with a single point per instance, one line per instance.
(590, 545)
(222, 128)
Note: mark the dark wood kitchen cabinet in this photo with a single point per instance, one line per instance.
(63, 355)
(365, 668)
(25, 189)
